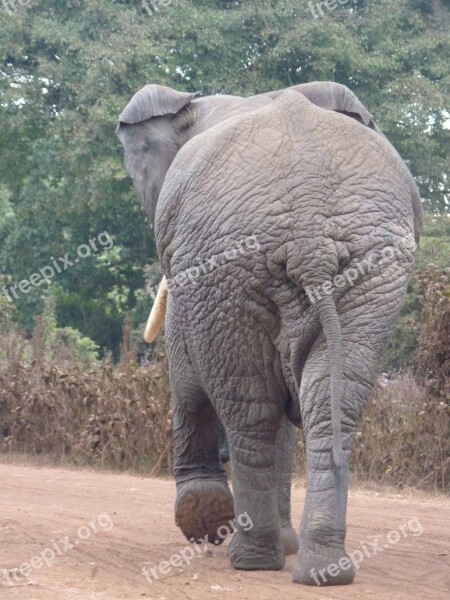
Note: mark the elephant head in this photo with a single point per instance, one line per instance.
(150, 129)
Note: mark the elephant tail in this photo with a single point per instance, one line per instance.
(329, 319)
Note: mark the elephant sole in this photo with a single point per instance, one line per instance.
(204, 511)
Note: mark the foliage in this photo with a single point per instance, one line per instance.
(112, 416)
(67, 69)
(6, 307)
(433, 352)
(434, 248)
(404, 438)
(64, 341)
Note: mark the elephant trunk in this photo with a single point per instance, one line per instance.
(158, 312)
(329, 319)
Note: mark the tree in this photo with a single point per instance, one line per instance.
(68, 69)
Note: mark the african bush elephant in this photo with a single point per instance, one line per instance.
(290, 330)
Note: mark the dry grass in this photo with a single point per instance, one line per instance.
(118, 417)
(111, 416)
(404, 439)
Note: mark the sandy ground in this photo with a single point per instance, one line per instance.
(103, 528)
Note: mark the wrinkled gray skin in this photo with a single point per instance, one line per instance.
(306, 171)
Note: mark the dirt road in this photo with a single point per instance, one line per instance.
(86, 535)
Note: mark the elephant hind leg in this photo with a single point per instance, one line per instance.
(323, 525)
(257, 543)
(284, 464)
(366, 316)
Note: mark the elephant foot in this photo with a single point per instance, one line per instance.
(204, 511)
(289, 539)
(332, 567)
(260, 556)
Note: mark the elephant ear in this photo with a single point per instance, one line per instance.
(337, 97)
(153, 101)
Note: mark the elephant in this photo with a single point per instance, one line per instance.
(287, 331)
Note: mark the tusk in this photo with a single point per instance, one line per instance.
(158, 312)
